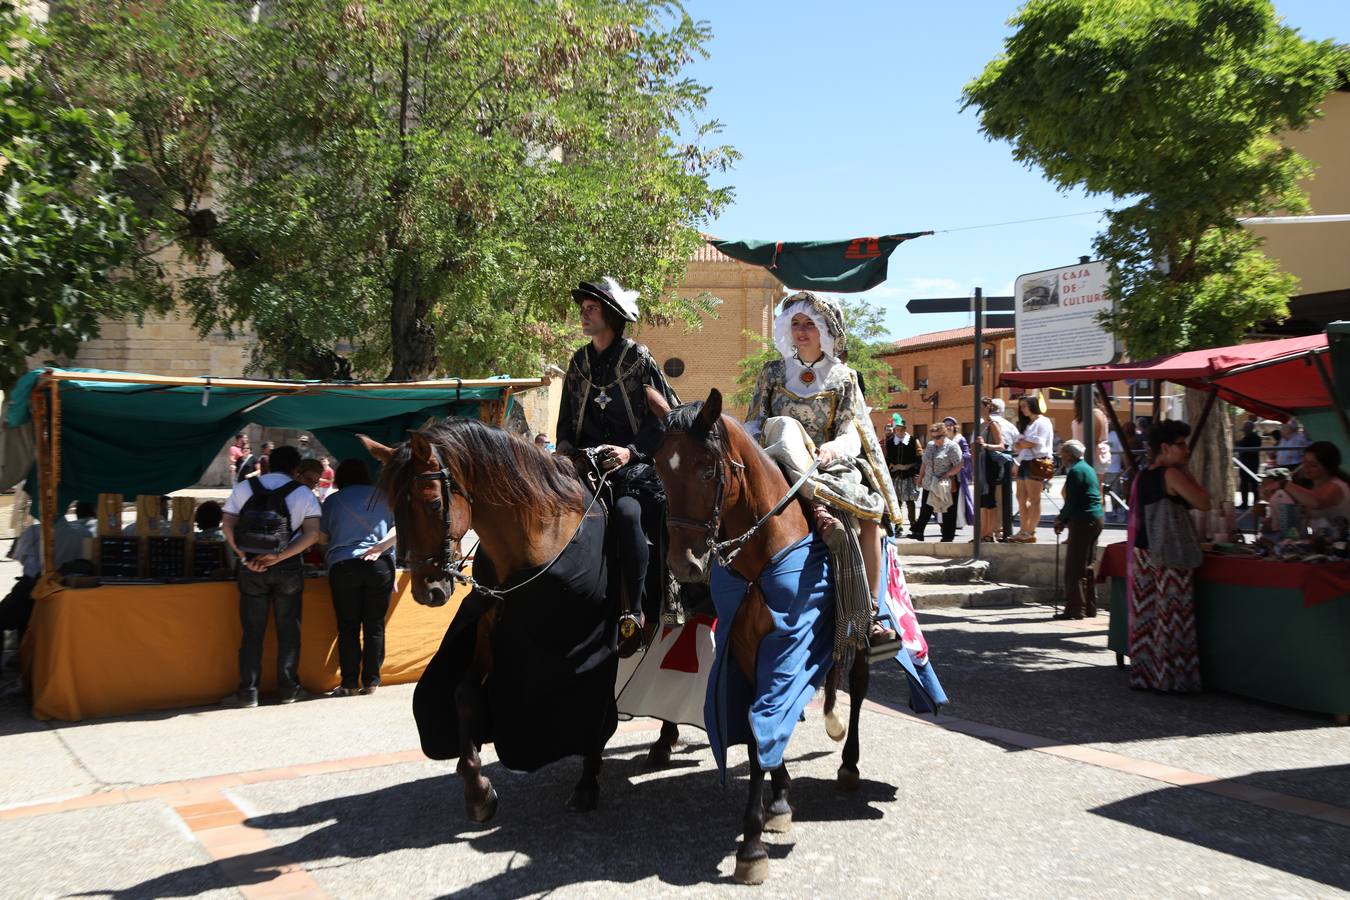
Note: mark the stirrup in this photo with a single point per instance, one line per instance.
(883, 649)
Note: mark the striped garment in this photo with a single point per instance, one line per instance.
(1164, 654)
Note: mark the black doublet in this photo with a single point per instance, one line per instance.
(620, 373)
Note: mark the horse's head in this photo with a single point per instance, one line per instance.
(431, 509)
(696, 468)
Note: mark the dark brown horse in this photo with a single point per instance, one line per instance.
(528, 661)
(719, 485)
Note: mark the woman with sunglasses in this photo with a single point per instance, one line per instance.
(1164, 655)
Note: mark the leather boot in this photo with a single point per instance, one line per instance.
(827, 527)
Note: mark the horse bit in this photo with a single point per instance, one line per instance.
(726, 551)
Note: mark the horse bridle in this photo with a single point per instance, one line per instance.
(449, 562)
(726, 551)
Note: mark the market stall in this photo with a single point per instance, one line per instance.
(123, 645)
(1271, 627)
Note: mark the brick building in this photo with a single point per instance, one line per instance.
(938, 373)
(697, 360)
(937, 370)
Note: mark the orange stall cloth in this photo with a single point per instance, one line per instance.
(120, 649)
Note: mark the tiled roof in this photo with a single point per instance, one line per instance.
(945, 338)
(708, 253)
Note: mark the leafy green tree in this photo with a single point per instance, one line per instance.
(65, 227)
(1174, 105)
(418, 181)
(866, 342)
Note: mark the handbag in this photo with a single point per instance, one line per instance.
(1043, 468)
(1171, 539)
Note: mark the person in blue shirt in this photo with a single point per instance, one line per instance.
(357, 527)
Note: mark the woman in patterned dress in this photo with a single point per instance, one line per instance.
(808, 406)
(1164, 655)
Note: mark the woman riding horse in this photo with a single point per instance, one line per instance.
(809, 405)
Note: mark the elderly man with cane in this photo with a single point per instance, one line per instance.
(1082, 515)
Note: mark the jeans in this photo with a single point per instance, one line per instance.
(948, 520)
(280, 586)
(361, 592)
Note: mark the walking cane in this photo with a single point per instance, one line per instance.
(1055, 601)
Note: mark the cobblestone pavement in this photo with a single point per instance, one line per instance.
(1046, 777)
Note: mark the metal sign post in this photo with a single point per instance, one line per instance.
(1000, 317)
(977, 462)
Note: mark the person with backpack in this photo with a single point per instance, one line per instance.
(270, 520)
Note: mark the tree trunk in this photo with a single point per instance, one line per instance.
(412, 339)
(1212, 449)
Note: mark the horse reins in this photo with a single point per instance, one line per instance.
(726, 551)
(449, 562)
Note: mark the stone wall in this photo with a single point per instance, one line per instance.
(711, 354)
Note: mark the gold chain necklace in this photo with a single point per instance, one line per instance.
(603, 398)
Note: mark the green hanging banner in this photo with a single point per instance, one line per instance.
(840, 266)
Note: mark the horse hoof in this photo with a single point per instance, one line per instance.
(658, 757)
(779, 824)
(584, 800)
(835, 727)
(484, 811)
(847, 780)
(752, 871)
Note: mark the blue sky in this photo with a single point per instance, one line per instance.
(848, 118)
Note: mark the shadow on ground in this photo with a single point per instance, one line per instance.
(676, 826)
(1062, 683)
(1285, 842)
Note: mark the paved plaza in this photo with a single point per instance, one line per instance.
(1046, 777)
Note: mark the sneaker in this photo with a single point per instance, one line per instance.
(369, 689)
(341, 691)
(300, 694)
(240, 700)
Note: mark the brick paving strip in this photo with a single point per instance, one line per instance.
(258, 869)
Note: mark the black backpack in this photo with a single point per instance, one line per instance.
(264, 524)
(246, 466)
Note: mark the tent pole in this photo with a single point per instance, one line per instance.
(1157, 401)
(1336, 403)
(1126, 441)
(46, 485)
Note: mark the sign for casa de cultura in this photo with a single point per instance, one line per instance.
(1056, 318)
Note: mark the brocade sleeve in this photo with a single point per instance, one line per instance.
(759, 405)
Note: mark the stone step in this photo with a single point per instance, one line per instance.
(971, 596)
(930, 570)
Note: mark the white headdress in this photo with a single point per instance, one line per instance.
(829, 322)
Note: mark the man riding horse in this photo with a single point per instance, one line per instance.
(604, 411)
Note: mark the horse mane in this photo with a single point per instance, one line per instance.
(686, 419)
(493, 466)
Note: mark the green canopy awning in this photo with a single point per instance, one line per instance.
(847, 266)
(130, 434)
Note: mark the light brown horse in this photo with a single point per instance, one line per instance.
(529, 512)
(719, 485)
